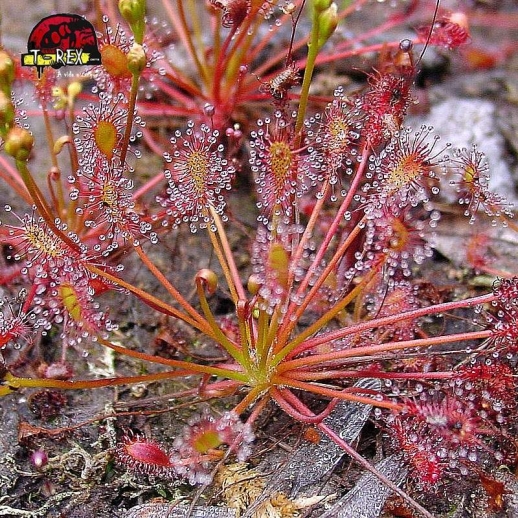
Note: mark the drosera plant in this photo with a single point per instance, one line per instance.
(223, 64)
(346, 216)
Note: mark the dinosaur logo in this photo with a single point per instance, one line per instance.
(62, 40)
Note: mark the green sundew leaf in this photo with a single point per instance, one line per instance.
(279, 263)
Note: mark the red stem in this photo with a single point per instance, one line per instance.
(391, 319)
(370, 350)
(307, 375)
(218, 72)
(285, 398)
(12, 178)
(289, 323)
(343, 394)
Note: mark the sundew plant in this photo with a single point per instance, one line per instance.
(334, 287)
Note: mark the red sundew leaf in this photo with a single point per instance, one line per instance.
(144, 456)
(148, 452)
(445, 33)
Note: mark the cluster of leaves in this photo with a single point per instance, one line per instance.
(346, 201)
